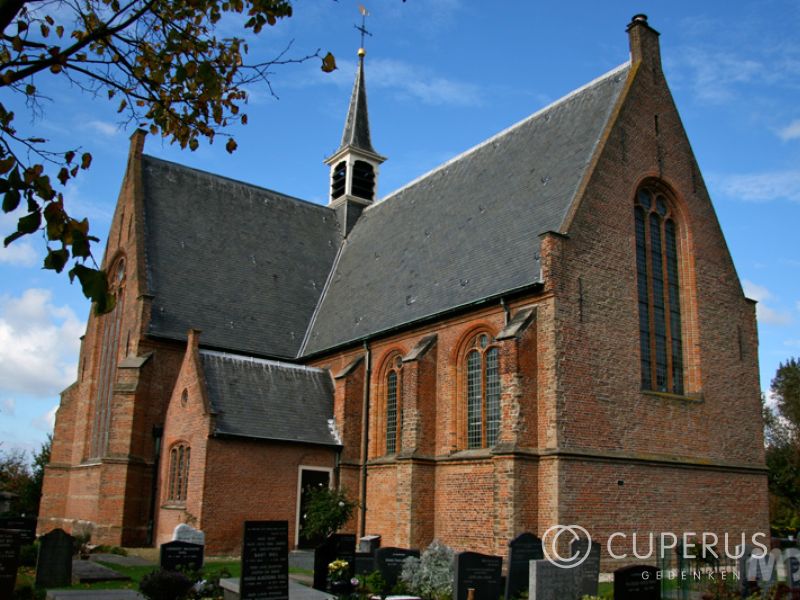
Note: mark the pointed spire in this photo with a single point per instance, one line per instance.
(356, 127)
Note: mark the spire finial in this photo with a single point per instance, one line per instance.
(363, 29)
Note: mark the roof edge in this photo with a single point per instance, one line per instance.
(226, 434)
(260, 361)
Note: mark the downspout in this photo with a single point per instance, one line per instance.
(365, 436)
(158, 433)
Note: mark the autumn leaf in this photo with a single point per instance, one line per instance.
(328, 63)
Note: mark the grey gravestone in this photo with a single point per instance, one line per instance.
(25, 526)
(752, 570)
(54, 563)
(480, 572)
(265, 561)
(639, 582)
(590, 568)
(337, 546)
(791, 562)
(521, 551)
(369, 543)
(181, 556)
(365, 563)
(551, 582)
(187, 533)
(389, 561)
(9, 561)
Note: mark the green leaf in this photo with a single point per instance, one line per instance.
(56, 259)
(14, 236)
(95, 287)
(11, 200)
(29, 223)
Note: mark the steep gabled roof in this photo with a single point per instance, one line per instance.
(244, 264)
(467, 231)
(265, 399)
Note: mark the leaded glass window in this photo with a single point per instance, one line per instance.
(178, 483)
(482, 393)
(392, 404)
(658, 293)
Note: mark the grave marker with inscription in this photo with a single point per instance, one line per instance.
(639, 582)
(389, 561)
(9, 561)
(265, 561)
(25, 526)
(187, 533)
(589, 568)
(54, 563)
(480, 572)
(791, 563)
(551, 582)
(181, 556)
(521, 551)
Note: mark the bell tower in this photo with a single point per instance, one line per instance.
(354, 166)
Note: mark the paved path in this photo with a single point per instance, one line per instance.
(94, 595)
(88, 571)
(125, 561)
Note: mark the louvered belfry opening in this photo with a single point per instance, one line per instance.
(338, 180)
(363, 180)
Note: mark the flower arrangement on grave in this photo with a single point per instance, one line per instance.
(338, 570)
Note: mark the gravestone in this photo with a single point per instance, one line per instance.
(480, 572)
(365, 563)
(752, 570)
(521, 551)
(187, 533)
(337, 546)
(265, 561)
(54, 563)
(551, 582)
(369, 543)
(25, 526)
(791, 563)
(9, 561)
(590, 568)
(181, 556)
(639, 582)
(389, 561)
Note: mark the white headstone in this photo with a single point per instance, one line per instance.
(187, 533)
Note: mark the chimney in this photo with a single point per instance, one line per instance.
(644, 42)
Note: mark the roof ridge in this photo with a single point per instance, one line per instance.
(238, 181)
(260, 361)
(503, 133)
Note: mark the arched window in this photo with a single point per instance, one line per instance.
(393, 404)
(482, 371)
(110, 325)
(363, 180)
(178, 483)
(338, 180)
(658, 291)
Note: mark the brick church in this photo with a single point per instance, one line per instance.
(546, 329)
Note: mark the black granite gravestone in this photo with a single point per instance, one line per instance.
(590, 567)
(521, 551)
(480, 572)
(337, 546)
(54, 563)
(639, 582)
(265, 561)
(25, 526)
(181, 556)
(9, 561)
(389, 561)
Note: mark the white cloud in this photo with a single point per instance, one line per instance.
(20, 253)
(46, 421)
(764, 313)
(39, 344)
(761, 187)
(791, 131)
(104, 128)
(792, 343)
(8, 407)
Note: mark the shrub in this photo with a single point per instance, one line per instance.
(431, 575)
(28, 554)
(327, 510)
(165, 585)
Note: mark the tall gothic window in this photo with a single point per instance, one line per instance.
(178, 483)
(482, 392)
(110, 336)
(392, 404)
(659, 292)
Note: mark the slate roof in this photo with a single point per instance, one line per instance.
(243, 264)
(356, 126)
(468, 230)
(265, 399)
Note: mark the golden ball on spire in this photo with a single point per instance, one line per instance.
(362, 53)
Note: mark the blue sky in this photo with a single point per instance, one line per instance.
(443, 75)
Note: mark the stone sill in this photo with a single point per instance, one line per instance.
(174, 506)
(668, 396)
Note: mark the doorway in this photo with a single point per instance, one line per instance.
(309, 478)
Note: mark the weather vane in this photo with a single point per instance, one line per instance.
(363, 28)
